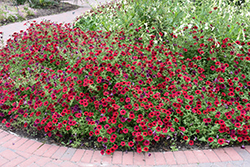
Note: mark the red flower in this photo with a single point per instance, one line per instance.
(4, 120)
(185, 138)
(190, 97)
(198, 92)
(191, 142)
(238, 42)
(220, 141)
(38, 113)
(68, 128)
(182, 129)
(7, 124)
(146, 143)
(25, 124)
(187, 107)
(79, 81)
(105, 86)
(91, 133)
(139, 150)
(237, 125)
(131, 144)
(112, 140)
(97, 132)
(123, 143)
(108, 151)
(187, 79)
(239, 139)
(131, 116)
(152, 36)
(210, 139)
(156, 138)
(132, 68)
(99, 139)
(78, 115)
(158, 129)
(145, 149)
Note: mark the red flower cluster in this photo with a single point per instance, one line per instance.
(124, 94)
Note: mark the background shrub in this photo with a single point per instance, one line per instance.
(20, 2)
(42, 3)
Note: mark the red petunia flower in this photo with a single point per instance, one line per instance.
(220, 141)
(139, 150)
(187, 107)
(191, 142)
(131, 144)
(210, 139)
(91, 133)
(7, 124)
(108, 151)
(145, 149)
(156, 138)
(239, 139)
(67, 128)
(237, 42)
(99, 139)
(185, 138)
(25, 124)
(123, 143)
(198, 92)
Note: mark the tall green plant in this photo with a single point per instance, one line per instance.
(20, 2)
(167, 16)
(43, 3)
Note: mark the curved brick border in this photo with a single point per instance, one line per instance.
(22, 152)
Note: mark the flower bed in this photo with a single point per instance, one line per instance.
(128, 87)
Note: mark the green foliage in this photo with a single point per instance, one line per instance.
(14, 13)
(19, 2)
(42, 3)
(165, 15)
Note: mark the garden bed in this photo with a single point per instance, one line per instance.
(128, 77)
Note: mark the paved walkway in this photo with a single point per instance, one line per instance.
(67, 17)
(17, 151)
(22, 152)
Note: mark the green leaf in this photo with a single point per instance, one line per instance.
(177, 17)
(203, 139)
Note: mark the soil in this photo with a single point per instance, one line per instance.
(53, 9)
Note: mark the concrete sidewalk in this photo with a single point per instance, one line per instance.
(67, 17)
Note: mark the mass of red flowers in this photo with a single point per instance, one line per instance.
(121, 92)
